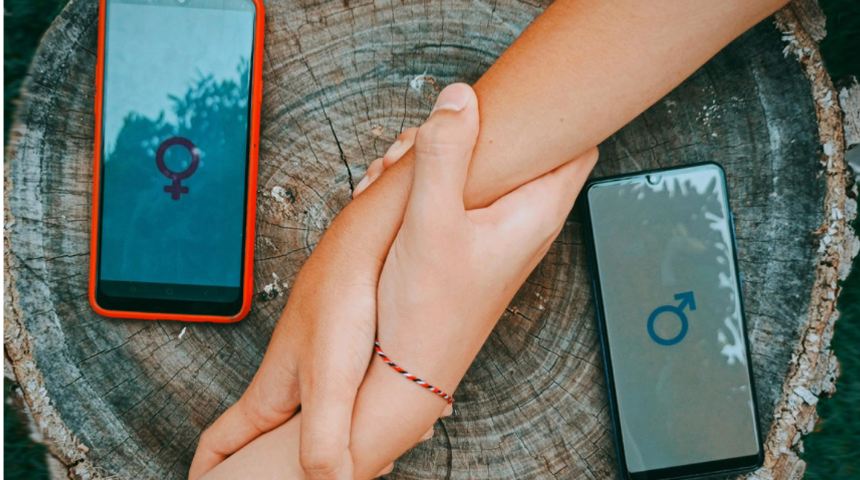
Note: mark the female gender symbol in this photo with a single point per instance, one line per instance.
(176, 189)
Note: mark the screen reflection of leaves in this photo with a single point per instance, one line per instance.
(213, 114)
(702, 236)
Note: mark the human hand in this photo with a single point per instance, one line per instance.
(318, 354)
(451, 272)
(379, 433)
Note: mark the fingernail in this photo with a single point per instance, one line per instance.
(449, 409)
(428, 434)
(453, 98)
(362, 184)
(393, 148)
(387, 470)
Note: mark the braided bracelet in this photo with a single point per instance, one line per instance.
(409, 376)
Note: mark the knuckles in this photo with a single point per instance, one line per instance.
(320, 461)
(205, 439)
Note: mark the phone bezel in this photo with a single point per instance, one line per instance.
(723, 466)
(159, 308)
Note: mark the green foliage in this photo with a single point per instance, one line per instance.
(23, 458)
(832, 451)
(841, 47)
(24, 23)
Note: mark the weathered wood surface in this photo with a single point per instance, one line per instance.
(128, 399)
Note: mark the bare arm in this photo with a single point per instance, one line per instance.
(584, 69)
(580, 72)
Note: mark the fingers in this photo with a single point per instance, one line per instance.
(402, 145)
(238, 426)
(271, 399)
(386, 470)
(536, 211)
(324, 439)
(399, 148)
(373, 172)
(216, 444)
(443, 150)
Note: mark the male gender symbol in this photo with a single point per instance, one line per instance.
(686, 299)
(176, 189)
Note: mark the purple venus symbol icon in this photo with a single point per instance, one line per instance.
(176, 189)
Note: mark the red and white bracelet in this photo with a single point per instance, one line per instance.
(410, 376)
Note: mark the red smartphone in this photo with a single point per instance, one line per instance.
(178, 94)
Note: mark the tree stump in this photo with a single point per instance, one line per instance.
(128, 399)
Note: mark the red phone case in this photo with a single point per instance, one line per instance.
(248, 273)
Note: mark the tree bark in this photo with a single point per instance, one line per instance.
(128, 399)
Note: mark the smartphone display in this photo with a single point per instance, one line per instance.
(669, 297)
(175, 130)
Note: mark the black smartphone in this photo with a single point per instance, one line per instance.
(663, 259)
(177, 126)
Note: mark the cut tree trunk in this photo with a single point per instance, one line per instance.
(128, 399)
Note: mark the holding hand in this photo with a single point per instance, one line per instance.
(446, 280)
(451, 272)
(448, 277)
(319, 351)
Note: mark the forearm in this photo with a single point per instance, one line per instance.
(584, 69)
(616, 59)
(579, 73)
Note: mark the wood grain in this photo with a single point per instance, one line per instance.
(128, 399)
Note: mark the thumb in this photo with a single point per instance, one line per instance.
(270, 400)
(443, 150)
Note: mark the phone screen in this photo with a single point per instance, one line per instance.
(175, 131)
(671, 307)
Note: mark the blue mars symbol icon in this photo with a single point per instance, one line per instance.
(686, 299)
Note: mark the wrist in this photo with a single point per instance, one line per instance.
(438, 351)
